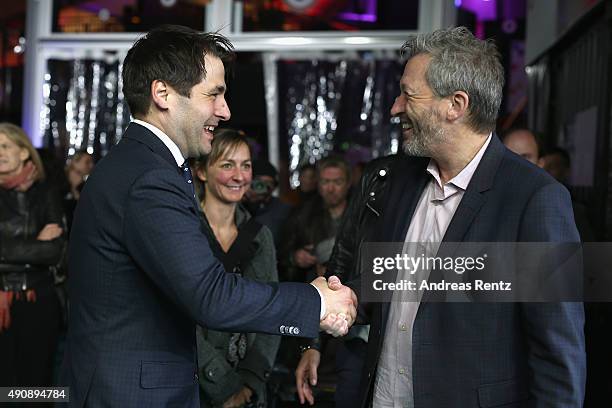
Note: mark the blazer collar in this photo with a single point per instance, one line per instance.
(143, 135)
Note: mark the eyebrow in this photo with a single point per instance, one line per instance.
(406, 88)
(218, 89)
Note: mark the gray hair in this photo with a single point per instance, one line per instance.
(461, 62)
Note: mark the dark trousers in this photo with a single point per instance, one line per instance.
(350, 359)
(27, 347)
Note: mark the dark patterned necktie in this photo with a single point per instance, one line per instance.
(188, 177)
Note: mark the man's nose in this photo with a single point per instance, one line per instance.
(397, 108)
(222, 109)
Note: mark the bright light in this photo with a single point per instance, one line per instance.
(291, 41)
(357, 40)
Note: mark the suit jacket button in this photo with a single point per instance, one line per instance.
(211, 373)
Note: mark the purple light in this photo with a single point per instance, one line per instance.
(370, 18)
(457, 3)
(484, 10)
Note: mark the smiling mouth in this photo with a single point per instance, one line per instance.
(407, 125)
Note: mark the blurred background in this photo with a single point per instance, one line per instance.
(315, 77)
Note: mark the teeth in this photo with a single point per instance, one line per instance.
(209, 128)
(406, 126)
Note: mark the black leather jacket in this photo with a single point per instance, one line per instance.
(360, 218)
(359, 225)
(22, 217)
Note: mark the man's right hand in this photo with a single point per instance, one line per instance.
(6, 298)
(306, 375)
(340, 305)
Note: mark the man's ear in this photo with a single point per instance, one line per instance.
(201, 174)
(159, 94)
(458, 108)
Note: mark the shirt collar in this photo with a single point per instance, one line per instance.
(176, 152)
(461, 180)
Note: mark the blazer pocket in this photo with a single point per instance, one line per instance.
(502, 393)
(166, 374)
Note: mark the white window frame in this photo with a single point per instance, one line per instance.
(223, 15)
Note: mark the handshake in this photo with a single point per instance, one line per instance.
(340, 306)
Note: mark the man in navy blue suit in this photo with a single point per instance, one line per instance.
(141, 271)
(457, 183)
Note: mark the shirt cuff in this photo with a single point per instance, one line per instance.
(323, 308)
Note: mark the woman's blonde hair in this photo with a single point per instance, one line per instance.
(19, 137)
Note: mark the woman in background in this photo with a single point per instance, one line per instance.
(31, 245)
(234, 367)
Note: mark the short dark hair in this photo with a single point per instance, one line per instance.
(336, 162)
(173, 54)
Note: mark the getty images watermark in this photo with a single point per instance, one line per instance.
(485, 272)
(404, 263)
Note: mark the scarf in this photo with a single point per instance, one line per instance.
(22, 181)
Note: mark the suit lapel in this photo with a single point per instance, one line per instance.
(474, 197)
(143, 135)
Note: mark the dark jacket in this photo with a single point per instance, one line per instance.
(487, 354)
(142, 275)
(22, 216)
(309, 224)
(218, 379)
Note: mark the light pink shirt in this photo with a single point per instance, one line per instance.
(433, 213)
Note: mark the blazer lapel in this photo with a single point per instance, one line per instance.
(474, 196)
(471, 203)
(143, 135)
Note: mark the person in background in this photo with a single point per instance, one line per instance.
(309, 239)
(261, 204)
(234, 367)
(310, 233)
(31, 245)
(77, 170)
(557, 163)
(524, 143)
(308, 182)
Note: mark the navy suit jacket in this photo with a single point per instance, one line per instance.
(142, 275)
(488, 354)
